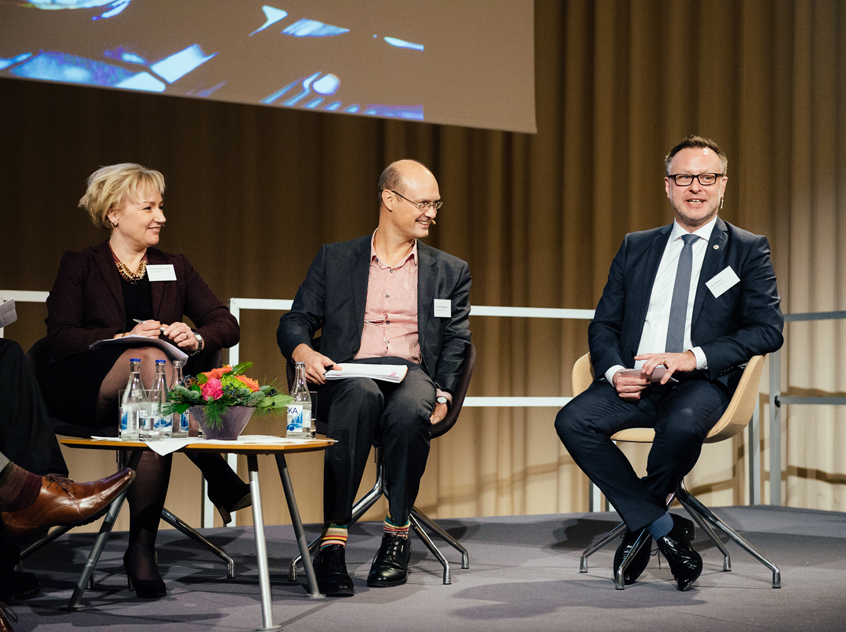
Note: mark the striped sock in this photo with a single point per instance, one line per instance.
(391, 529)
(333, 534)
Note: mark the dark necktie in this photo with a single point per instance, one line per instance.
(681, 292)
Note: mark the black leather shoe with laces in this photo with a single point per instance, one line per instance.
(330, 567)
(685, 563)
(390, 566)
(638, 564)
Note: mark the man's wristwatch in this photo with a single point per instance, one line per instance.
(442, 400)
(200, 344)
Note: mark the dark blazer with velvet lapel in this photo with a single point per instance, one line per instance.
(742, 322)
(333, 298)
(86, 302)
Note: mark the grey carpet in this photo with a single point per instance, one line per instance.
(523, 575)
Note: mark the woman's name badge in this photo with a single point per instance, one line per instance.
(443, 308)
(161, 272)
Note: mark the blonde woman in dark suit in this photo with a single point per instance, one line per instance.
(103, 292)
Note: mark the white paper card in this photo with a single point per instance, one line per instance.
(722, 281)
(8, 315)
(443, 308)
(161, 272)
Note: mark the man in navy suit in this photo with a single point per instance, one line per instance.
(696, 300)
(385, 298)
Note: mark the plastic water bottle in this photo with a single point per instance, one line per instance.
(180, 420)
(162, 424)
(132, 397)
(300, 425)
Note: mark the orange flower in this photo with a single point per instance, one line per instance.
(216, 374)
(250, 384)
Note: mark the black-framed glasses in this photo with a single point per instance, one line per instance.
(423, 206)
(685, 179)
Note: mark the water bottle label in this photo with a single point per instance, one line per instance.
(295, 418)
(183, 422)
(124, 420)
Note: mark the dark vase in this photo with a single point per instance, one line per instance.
(232, 422)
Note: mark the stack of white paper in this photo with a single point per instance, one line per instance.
(387, 372)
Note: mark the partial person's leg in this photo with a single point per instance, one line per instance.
(117, 378)
(406, 436)
(585, 426)
(686, 413)
(146, 500)
(226, 489)
(354, 411)
(26, 436)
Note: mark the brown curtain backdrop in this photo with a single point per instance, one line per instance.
(253, 192)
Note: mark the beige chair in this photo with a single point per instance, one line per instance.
(733, 421)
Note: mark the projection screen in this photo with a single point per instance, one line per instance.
(456, 62)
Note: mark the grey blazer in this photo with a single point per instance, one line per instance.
(334, 294)
(742, 322)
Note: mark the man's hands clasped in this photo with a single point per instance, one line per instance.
(630, 388)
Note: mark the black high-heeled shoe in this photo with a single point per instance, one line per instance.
(226, 512)
(144, 588)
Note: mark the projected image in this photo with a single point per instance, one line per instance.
(365, 57)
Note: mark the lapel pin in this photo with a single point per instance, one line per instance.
(716, 246)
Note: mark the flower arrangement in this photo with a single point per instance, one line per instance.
(220, 389)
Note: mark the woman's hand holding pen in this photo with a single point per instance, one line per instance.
(147, 328)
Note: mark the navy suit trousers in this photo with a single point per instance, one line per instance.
(681, 414)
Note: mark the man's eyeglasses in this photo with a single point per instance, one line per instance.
(685, 179)
(423, 206)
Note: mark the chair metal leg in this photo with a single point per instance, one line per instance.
(434, 526)
(415, 524)
(615, 532)
(620, 571)
(47, 539)
(94, 556)
(691, 502)
(703, 524)
(189, 531)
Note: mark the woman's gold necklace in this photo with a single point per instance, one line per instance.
(126, 273)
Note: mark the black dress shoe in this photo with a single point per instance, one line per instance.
(639, 562)
(330, 567)
(16, 586)
(685, 563)
(390, 566)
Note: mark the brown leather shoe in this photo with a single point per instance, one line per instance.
(63, 502)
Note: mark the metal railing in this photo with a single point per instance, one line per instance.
(236, 305)
(777, 401)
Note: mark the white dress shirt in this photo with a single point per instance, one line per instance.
(653, 339)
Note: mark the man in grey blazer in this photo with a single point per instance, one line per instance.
(385, 298)
(694, 300)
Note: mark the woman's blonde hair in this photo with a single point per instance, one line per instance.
(108, 188)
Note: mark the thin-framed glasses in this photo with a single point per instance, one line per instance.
(423, 206)
(685, 179)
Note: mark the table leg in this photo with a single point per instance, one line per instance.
(302, 542)
(261, 547)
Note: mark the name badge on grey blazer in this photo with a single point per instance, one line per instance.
(443, 308)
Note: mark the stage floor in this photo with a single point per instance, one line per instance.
(523, 575)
